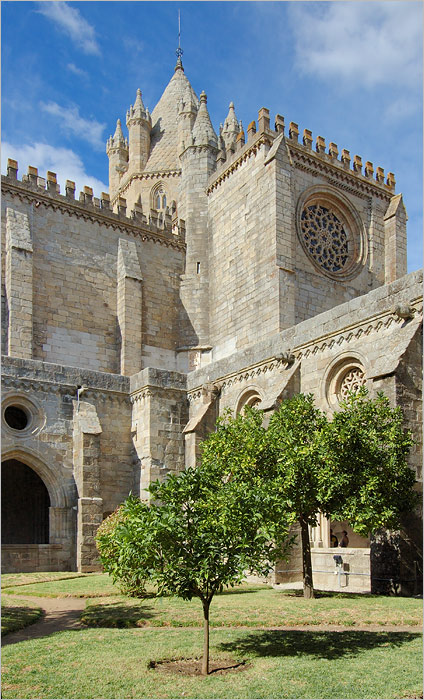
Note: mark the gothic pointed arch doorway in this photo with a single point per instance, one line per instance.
(25, 505)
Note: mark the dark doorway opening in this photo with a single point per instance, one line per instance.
(25, 505)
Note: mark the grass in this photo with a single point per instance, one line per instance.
(78, 585)
(108, 663)
(254, 606)
(8, 580)
(16, 615)
(247, 605)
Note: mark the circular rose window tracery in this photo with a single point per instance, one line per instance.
(325, 237)
(331, 232)
(351, 382)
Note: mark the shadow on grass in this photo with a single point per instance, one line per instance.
(298, 593)
(324, 645)
(116, 615)
(15, 618)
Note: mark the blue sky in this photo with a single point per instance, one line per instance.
(350, 71)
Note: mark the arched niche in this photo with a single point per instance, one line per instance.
(25, 504)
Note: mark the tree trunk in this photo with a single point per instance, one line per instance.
(205, 660)
(308, 585)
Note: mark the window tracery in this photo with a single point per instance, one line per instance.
(159, 198)
(331, 232)
(326, 238)
(351, 381)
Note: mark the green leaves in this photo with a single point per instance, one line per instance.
(199, 534)
(370, 483)
(207, 525)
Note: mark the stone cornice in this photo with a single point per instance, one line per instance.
(356, 330)
(29, 384)
(228, 168)
(149, 390)
(248, 373)
(316, 163)
(88, 213)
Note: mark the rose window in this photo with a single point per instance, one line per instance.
(325, 237)
(351, 382)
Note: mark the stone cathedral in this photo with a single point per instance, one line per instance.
(221, 270)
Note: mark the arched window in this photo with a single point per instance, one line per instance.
(251, 397)
(158, 197)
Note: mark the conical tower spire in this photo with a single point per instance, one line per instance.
(203, 131)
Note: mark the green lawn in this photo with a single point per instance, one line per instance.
(254, 606)
(16, 615)
(57, 586)
(99, 662)
(8, 580)
(107, 663)
(247, 605)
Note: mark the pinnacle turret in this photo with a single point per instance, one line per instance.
(117, 140)
(138, 111)
(117, 151)
(203, 131)
(231, 128)
(139, 123)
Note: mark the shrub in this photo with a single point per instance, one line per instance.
(115, 560)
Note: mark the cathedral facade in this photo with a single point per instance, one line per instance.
(221, 270)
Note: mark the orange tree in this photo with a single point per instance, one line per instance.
(205, 527)
(353, 467)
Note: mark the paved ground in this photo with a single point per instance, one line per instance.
(59, 614)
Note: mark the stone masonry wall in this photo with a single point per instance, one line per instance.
(75, 286)
(243, 275)
(79, 442)
(302, 171)
(160, 412)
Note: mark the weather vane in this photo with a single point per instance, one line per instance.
(179, 52)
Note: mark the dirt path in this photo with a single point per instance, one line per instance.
(59, 614)
(64, 614)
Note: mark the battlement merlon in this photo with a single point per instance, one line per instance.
(320, 156)
(166, 227)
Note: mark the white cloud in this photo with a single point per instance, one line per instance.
(69, 120)
(70, 21)
(62, 161)
(366, 43)
(72, 68)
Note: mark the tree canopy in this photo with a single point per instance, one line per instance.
(365, 478)
(204, 529)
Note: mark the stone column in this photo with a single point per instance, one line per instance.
(129, 306)
(19, 284)
(87, 432)
(60, 525)
(325, 531)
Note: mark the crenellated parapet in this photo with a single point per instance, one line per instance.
(305, 154)
(164, 227)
